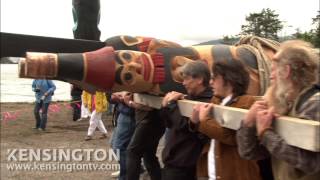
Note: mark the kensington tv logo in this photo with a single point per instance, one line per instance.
(62, 155)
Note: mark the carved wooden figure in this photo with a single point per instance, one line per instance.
(147, 65)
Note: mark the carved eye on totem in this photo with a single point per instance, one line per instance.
(123, 58)
(123, 76)
(128, 77)
(126, 56)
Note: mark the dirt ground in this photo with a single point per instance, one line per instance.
(62, 133)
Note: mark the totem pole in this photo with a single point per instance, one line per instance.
(148, 65)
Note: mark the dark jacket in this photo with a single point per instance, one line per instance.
(76, 92)
(183, 146)
(229, 165)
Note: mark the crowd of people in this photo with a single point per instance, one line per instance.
(199, 147)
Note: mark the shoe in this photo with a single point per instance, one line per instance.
(115, 174)
(35, 128)
(88, 138)
(80, 119)
(103, 136)
(83, 118)
(41, 130)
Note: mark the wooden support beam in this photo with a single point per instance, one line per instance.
(296, 132)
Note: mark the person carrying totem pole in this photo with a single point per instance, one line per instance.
(294, 92)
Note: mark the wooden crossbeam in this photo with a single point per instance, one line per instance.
(296, 132)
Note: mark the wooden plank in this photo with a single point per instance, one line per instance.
(296, 132)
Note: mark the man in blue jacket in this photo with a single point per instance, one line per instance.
(44, 90)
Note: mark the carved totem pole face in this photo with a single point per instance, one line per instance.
(134, 71)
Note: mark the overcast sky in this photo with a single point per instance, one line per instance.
(187, 22)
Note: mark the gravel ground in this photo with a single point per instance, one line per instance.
(62, 133)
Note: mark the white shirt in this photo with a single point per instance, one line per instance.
(211, 159)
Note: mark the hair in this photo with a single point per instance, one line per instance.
(197, 69)
(233, 72)
(302, 59)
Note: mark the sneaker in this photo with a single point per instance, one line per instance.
(83, 118)
(41, 130)
(80, 119)
(35, 128)
(103, 136)
(115, 174)
(88, 138)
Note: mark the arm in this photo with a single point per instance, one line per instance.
(34, 85)
(305, 160)
(108, 96)
(52, 87)
(202, 122)
(171, 113)
(206, 124)
(116, 98)
(213, 130)
(210, 127)
(249, 146)
(173, 117)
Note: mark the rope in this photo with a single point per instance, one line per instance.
(256, 45)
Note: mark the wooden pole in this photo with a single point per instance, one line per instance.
(296, 132)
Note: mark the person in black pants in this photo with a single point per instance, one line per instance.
(144, 143)
(76, 102)
(184, 146)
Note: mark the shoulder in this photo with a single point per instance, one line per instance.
(310, 108)
(308, 97)
(215, 100)
(315, 97)
(312, 95)
(244, 101)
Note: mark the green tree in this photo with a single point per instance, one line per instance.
(306, 36)
(230, 39)
(264, 24)
(316, 31)
(312, 36)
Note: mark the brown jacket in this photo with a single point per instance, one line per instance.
(229, 165)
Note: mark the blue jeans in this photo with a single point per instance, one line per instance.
(120, 139)
(41, 120)
(110, 109)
